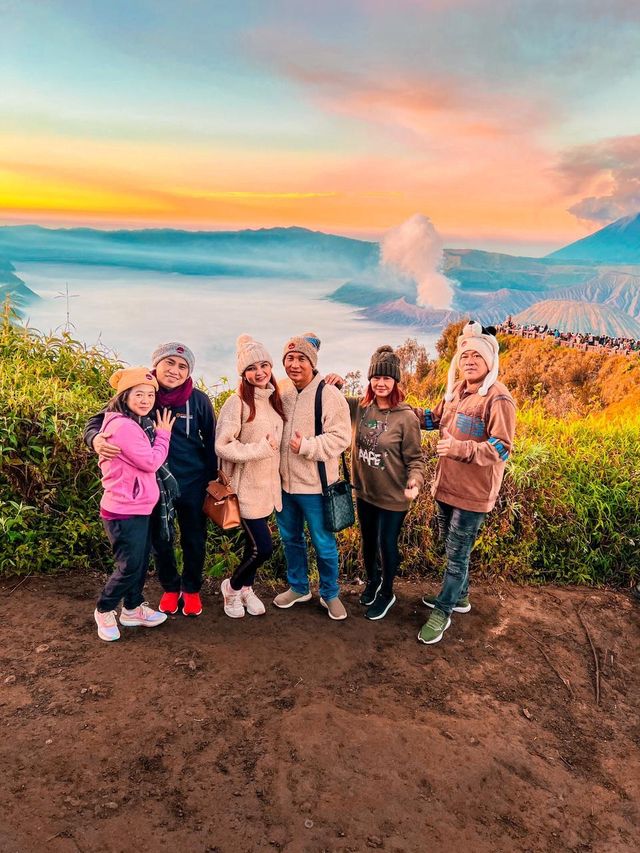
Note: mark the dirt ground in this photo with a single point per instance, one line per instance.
(290, 732)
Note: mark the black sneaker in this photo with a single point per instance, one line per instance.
(380, 606)
(372, 588)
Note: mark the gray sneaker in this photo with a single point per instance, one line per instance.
(289, 598)
(335, 608)
(463, 605)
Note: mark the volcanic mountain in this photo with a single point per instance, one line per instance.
(618, 243)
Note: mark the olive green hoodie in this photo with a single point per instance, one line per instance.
(385, 453)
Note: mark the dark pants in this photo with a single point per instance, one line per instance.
(131, 542)
(193, 539)
(380, 530)
(258, 547)
(458, 530)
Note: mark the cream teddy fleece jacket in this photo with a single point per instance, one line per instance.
(247, 457)
(299, 471)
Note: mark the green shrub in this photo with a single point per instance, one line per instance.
(569, 511)
(49, 486)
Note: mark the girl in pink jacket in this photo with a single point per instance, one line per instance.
(133, 483)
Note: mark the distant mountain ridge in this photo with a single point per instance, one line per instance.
(268, 252)
(488, 285)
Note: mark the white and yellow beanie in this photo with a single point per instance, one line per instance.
(474, 338)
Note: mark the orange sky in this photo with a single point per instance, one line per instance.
(348, 118)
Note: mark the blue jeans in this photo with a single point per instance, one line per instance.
(458, 531)
(296, 509)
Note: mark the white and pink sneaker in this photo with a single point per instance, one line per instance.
(107, 625)
(251, 601)
(233, 606)
(142, 615)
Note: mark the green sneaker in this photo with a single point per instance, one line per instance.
(432, 631)
(463, 604)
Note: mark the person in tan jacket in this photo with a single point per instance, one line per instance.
(248, 439)
(301, 450)
(476, 420)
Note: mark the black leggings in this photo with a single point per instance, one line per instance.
(258, 547)
(380, 530)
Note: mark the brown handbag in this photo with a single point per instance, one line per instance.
(221, 504)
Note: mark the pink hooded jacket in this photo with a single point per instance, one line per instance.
(129, 480)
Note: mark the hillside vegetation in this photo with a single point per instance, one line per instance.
(569, 511)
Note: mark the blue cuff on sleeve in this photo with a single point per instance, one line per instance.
(499, 447)
(428, 420)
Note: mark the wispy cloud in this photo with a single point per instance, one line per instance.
(607, 174)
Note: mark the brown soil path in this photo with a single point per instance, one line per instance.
(293, 733)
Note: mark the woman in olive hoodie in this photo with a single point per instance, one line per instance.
(388, 471)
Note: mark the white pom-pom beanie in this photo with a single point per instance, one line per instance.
(249, 351)
(473, 338)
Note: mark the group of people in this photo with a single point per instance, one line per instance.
(280, 444)
(613, 344)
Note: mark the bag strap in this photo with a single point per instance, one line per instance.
(322, 468)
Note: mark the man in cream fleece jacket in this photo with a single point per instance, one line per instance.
(301, 450)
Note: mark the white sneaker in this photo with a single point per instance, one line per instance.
(142, 615)
(233, 605)
(251, 601)
(107, 625)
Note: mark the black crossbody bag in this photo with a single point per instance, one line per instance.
(337, 499)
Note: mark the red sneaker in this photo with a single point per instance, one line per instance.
(191, 604)
(169, 602)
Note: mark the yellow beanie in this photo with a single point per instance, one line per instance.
(129, 377)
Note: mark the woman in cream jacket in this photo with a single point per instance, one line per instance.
(248, 435)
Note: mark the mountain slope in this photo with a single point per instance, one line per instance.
(13, 286)
(617, 243)
(402, 313)
(620, 290)
(585, 317)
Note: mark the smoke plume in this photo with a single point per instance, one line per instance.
(415, 249)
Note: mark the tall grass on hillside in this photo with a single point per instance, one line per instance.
(569, 511)
(570, 507)
(48, 488)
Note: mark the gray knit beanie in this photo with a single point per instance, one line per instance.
(384, 362)
(307, 343)
(174, 348)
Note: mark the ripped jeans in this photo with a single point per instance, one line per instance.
(458, 532)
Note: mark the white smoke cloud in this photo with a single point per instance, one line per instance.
(415, 249)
